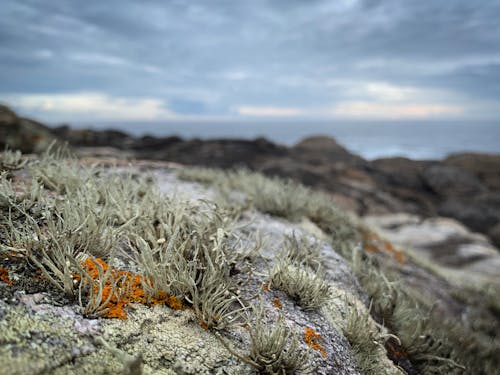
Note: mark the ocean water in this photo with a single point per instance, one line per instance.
(413, 139)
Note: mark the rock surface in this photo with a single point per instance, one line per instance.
(442, 241)
(46, 334)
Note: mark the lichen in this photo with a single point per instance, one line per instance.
(313, 340)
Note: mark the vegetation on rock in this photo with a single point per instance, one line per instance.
(106, 240)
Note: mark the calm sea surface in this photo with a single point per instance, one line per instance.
(413, 139)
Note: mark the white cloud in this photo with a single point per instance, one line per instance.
(269, 111)
(99, 59)
(235, 75)
(91, 106)
(364, 109)
(382, 100)
(43, 54)
(387, 92)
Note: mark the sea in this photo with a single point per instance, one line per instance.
(370, 139)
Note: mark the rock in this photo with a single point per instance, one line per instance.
(41, 336)
(23, 134)
(93, 138)
(448, 180)
(321, 149)
(486, 167)
(494, 234)
(442, 240)
(223, 153)
(400, 172)
(480, 212)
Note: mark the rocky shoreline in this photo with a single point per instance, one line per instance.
(464, 187)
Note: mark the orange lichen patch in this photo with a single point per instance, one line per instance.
(396, 352)
(39, 275)
(4, 276)
(122, 288)
(277, 303)
(11, 254)
(204, 326)
(372, 243)
(266, 287)
(313, 339)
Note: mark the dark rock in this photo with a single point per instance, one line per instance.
(401, 172)
(21, 133)
(220, 153)
(93, 138)
(486, 167)
(149, 142)
(321, 149)
(448, 180)
(480, 212)
(494, 234)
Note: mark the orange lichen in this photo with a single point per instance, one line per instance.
(129, 285)
(39, 275)
(4, 276)
(277, 303)
(266, 287)
(313, 339)
(395, 351)
(374, 244)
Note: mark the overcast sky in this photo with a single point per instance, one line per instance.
(99, 60)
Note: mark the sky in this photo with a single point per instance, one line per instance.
(95, 60)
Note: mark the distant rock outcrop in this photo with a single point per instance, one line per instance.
(22, 134)
(465, 187)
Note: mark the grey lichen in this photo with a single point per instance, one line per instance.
(274, 347)
(309, 289)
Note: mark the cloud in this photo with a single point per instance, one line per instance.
(279, 58)
(394, 111)
(268, 111)
(90, 106)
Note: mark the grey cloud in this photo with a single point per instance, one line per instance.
(288, 49)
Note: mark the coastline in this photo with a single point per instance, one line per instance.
(465, 187)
